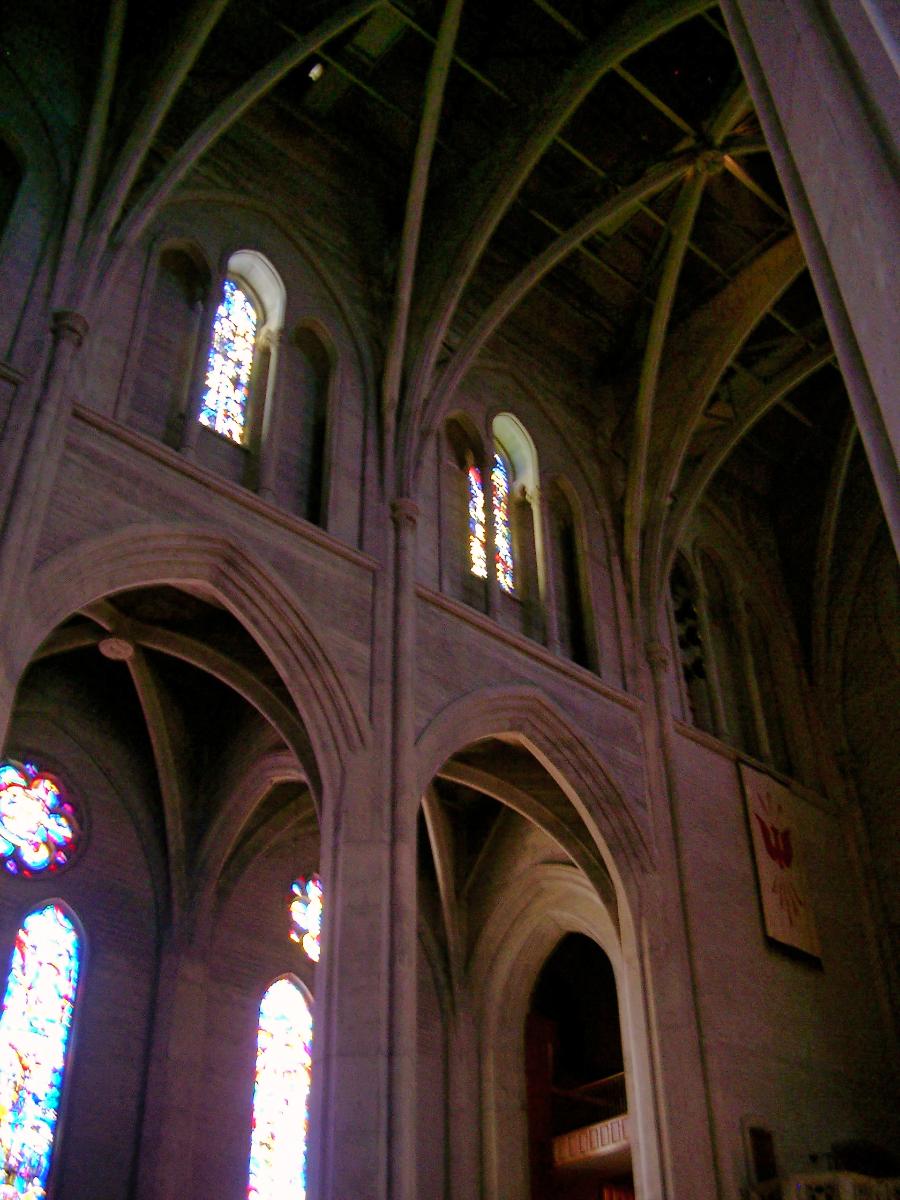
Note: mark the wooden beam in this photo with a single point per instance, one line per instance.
(480, 201)
(229, 111)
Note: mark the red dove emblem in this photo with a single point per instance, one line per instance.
(777, 843)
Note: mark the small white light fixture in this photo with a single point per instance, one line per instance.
(316, 71)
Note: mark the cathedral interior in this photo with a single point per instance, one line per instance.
(449, 656)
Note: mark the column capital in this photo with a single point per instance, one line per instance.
(404, 512)
(69, 326)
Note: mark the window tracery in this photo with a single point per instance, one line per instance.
(39, 829)
(34, 1032)
(227, 385)
(281, 1095)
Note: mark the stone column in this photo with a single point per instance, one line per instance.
(37, 469)
(551, 567)
(174, 1089)
(828, 98)
(403, 878)
(268, 397)
(463, 1108)
(684, 1099)
(349, 1103)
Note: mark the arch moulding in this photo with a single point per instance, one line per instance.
(525, 715)
(149, 555)
(527, 922)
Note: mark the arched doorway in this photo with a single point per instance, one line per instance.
(575, 1078)
(513, 883)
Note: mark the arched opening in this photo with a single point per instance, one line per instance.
(463, 537)
(574, 618)
(575, 1078)
(239, 369)
(281, 1090)
(515, 521)
(771, 696)
(35, 1028)
(690, 644)
(196, 786)
(163, 376)
(515, 901)
(728, 656)
(301, 433)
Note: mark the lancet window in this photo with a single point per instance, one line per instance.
(477, 524)
(503, 549)
(34, 1032)
(278, 1140)
(230, 362)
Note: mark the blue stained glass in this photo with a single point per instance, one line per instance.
(502, 533)
(281, 1095)
(477, 550)
(224, 405)
(34, 1032)
(39, 829)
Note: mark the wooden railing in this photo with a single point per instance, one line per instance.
(606, 1097)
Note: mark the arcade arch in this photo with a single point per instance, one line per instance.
(508, 867)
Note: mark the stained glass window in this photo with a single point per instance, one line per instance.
(34, 1031)
(502, 535)
(224, 406)
(39, 829)
(477, 542)
(281, 1095)
(306, 914)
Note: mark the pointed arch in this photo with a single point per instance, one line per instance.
(526, 715)
(144, 555)
(566, 547)
(527, 921)
(38, 1011)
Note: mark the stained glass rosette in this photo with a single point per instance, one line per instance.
(39, 829)
(281, 1095)
(34, 1032)
(477, 552)
(224, 405)
(502, 534)
(306, 914)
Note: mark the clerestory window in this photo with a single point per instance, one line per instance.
(226, 389)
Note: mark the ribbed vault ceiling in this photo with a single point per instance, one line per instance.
(583, 181)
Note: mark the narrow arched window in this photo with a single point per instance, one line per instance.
(34, 1034)
(477, 523)
(691, 650)
(307, 906)
(281, 1095)
(503, 546)
(227, 385)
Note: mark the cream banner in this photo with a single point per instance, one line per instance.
(771, 811)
